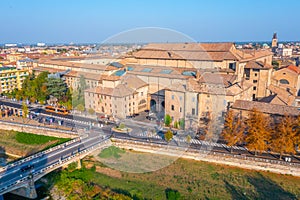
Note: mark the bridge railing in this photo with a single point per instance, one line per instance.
(60, 162)
(38, 154)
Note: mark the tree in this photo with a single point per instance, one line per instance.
(57, 88)
(168, 120)
(91, 111)
(176, 124)
(168, 136)
(233, 132)
(24, 112)
(172, 194)
(258, 132)
(80, 107)
(78, 94)
(188, 138)
(284, 139)
(181, 123)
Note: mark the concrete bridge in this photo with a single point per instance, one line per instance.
(19, 177)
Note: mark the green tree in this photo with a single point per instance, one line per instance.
(24, 112)
(188, 138)
(168, 136)
(233, 132)
(80, 107)
(275, 64)
(57, 88)
(176, 125)
(284, 139)
(168, 120)
(172, 194)
(258, 132)
(78, 94)
(122, 126)
(181, 123)
(91, 111)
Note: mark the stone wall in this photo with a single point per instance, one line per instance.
(37, 130)
(219, 158)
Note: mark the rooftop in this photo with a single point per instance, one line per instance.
(267, 108)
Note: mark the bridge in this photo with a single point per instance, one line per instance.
(19, 177)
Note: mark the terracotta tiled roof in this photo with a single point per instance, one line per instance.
(257, 65)
(294, 68)
(266, 107)
(101, 90)
(188, 51)
(75, 64)
(133, 82)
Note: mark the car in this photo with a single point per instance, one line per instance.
(26, 168)
(151, 118)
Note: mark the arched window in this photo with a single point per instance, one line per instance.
(172, 107)
(284, 81)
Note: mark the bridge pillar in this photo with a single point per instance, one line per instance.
(27, 191)
(79, 164)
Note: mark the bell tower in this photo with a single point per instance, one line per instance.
(274, 42)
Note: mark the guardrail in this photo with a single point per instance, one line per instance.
(204, 152)
(38, 174)
(40, 127)
(38, 154)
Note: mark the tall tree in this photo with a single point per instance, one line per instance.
(78, 93)
(57, 88)
(233, 132)
(284, 138)
(258, 131)
(25, 112)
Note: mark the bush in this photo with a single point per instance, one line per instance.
(168, 135)
(181, 123)
(172, 194)
(91, 111)
(121, 126)
(176, 125)
(168, 120)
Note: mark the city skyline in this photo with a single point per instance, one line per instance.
(93, 22)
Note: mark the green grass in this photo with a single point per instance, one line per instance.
(24, 144)
(111, 152)
(192, 180)
(29, 138)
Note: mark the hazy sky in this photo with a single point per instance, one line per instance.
(56, 21)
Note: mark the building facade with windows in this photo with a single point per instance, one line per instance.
(12, 78)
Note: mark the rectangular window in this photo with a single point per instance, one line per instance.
(173, 97)
(193, 111)
(180, 98)
(193, 99)
(254, 81)
(254, 88)
(180, 109)
(232, 66)
(172, 107)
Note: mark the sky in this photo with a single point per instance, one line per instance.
(90, 21)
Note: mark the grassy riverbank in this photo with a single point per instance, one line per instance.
(23, 144)
(183, 179)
